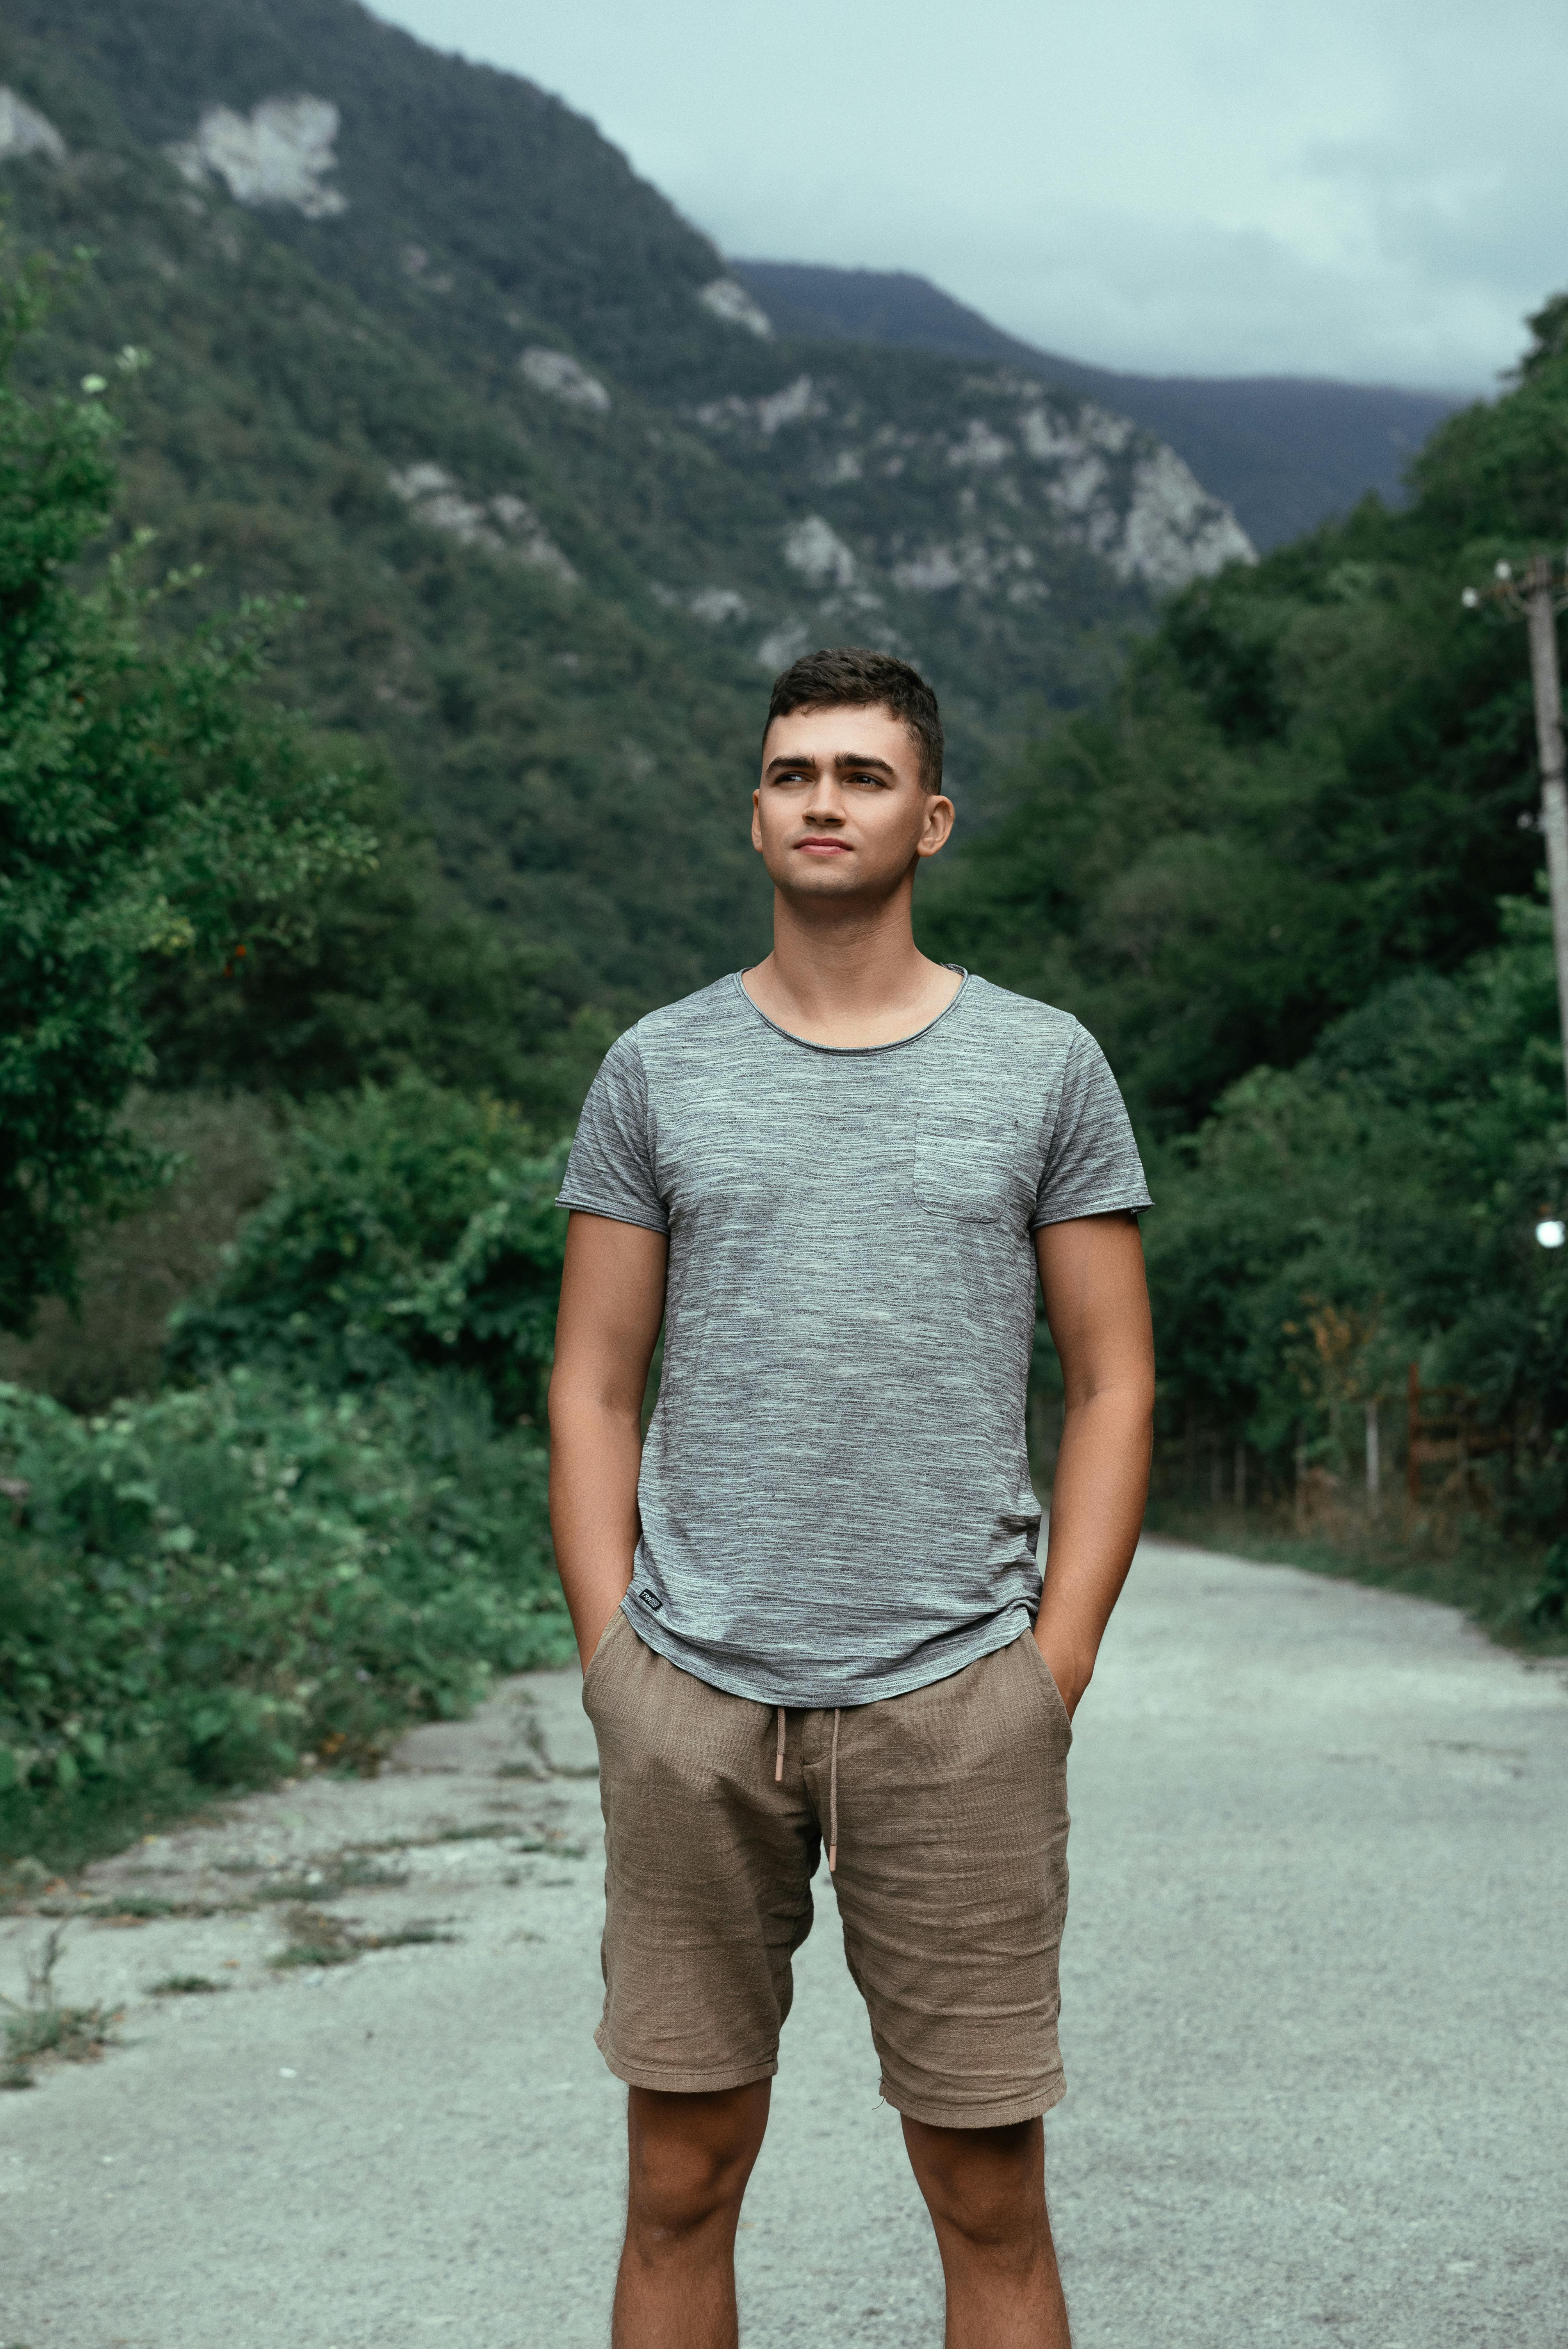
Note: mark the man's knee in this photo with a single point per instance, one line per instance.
(690, 2157)
(986, 2186)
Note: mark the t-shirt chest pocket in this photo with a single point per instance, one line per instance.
(967, 1173)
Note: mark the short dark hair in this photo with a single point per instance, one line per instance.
(849, 676)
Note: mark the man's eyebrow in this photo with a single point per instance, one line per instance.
(841, 760)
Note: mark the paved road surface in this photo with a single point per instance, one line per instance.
(1316, 2029)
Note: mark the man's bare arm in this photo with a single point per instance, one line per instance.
(611, 1303)
(1097, 1303)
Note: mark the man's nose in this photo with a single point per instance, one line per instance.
(824, 803)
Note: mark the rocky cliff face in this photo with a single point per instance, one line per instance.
(981, 499)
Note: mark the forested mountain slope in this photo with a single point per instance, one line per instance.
(423, 349)
(1314, 777)
(1285, 452)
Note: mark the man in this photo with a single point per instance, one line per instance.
(809, 1606)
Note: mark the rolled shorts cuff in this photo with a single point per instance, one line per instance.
(710, 2081)
(1004, 2114)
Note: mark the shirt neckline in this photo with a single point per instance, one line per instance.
(845, 1051)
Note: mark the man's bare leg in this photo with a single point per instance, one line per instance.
(688, 2161)
(985, 2191)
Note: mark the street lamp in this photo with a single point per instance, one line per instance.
(1543, 594)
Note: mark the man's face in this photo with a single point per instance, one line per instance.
(840, 811)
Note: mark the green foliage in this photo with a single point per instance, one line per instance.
(1546, 1607)
(390, 974)
(1374, 1205)
(219, 1159)
(221, 1581)
(412, 1226)
(1312, 780)
(142, 797)
(1548, 337)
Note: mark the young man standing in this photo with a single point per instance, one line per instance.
(809, 1606)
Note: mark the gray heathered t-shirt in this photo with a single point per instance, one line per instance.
(835, 1490)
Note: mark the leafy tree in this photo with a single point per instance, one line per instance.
(390, 974)
(146, 799)
(1375, 1205)
(413, 1228)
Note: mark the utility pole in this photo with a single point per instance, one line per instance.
(1538, 601)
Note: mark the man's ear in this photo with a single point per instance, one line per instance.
(757, 819)
(940, 814)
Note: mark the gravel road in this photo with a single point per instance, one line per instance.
(1315, 2022)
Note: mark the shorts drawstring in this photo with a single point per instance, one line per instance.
(834, 1799)
(832, 1784)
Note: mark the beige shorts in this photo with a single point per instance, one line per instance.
(952, 1877)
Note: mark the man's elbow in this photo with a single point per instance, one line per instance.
(577, 1400)
(1127, 1394)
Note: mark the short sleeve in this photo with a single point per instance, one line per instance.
(610, 1170)
(1092, 1166)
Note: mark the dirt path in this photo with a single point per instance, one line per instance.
(1315, 2026)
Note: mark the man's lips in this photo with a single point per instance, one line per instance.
(820, 845)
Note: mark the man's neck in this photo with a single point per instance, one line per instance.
(849, 976)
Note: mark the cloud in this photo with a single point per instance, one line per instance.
(1190, 185)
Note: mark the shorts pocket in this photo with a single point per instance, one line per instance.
(605, 1636)
(1051, 1692)
(962, 1173)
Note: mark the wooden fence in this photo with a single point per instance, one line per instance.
(1446, 1431)
(1442, 1439)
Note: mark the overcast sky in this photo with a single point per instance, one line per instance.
(1371, 189)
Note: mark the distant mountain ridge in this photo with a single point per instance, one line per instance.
(1285, 452)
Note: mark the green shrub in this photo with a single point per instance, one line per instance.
(219, 1582)
(413, 1228)
(1545, 1608)
(219, 1156)
(1376, 1207)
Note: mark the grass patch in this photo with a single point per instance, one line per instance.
(317, 1939)
(76, 2035)
(418, 1934)
(355, 1873)
(39, 2030)
(448, 1834)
